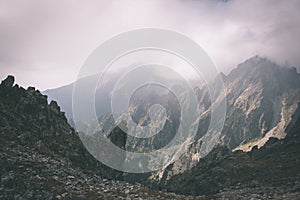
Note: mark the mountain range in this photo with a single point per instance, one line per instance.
(257, 153)
(42, 157)
(261, 99)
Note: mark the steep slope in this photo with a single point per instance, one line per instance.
(262, 102)
(40, 150)
(63, 95)
(261, 99)
(271, 171)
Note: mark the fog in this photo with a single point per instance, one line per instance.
(44, 43)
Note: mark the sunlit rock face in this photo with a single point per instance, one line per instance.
(262, 98)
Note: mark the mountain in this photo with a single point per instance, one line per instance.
(269, 172)
(262, 99)
(258, 147)
(63, 95)
(259, 139)
(42, 157)
(40, 151)
(103, 92)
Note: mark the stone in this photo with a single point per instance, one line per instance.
(8, 82)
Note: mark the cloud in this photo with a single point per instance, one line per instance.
(44, 43)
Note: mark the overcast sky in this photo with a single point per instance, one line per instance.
(44, 43)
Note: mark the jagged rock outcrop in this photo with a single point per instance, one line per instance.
(39, 125)
(41, 154)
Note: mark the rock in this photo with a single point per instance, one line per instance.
(8, 82)
(31, 88)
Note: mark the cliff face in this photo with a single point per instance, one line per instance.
(262, 98)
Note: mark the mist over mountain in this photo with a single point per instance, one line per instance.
(256, 155)
(262, 113)
(104, 89)
(150, 99)
(261, 97)
(262, 102)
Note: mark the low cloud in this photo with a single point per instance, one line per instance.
(44, 43)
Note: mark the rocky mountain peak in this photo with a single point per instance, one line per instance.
(258, 91)
(261, 70)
